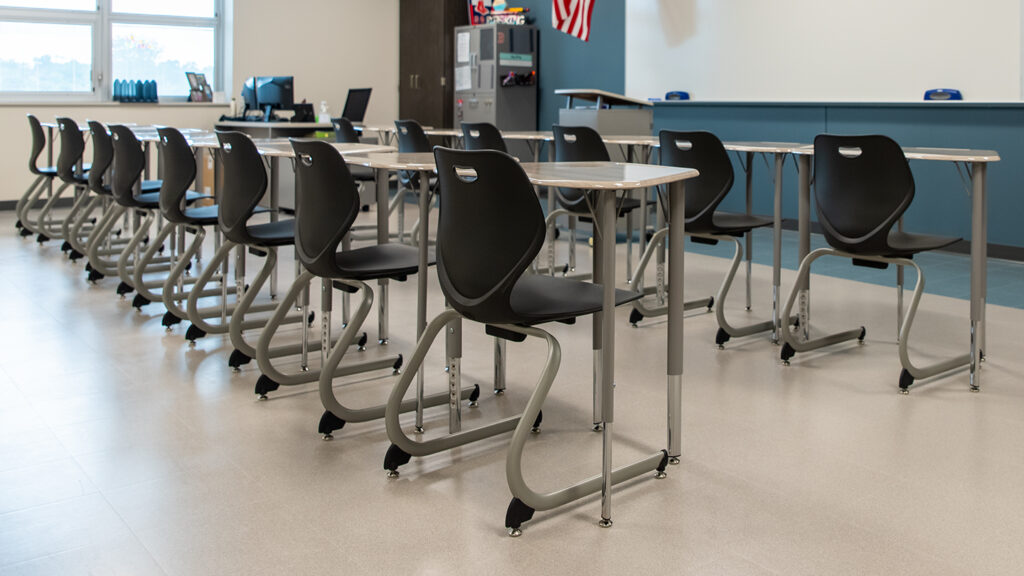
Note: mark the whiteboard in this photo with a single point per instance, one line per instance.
(823, 50)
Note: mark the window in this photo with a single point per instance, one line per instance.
(74, 49)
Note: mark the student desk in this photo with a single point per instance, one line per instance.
(975, 164)
(606, 178)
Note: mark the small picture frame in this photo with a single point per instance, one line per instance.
(199, 89)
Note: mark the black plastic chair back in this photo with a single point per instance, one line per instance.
(704, 152)
(344, 132)
(242, 187)
(179, 171)
(411, 137)
(38, 144)
(72, 145)
(102, 156)
(490, 227)
(326, 205)
(482, 136)
(129, 163)
(862, 185)
(577, 144)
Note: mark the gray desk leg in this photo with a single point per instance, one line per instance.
(804, 227)
(275, 200)
(777, 248)
(381, 183)
(979, 249)
(453, 356)
(676, 308)
(421, 285)
(749, 170)
(551, 208)
(604, 341)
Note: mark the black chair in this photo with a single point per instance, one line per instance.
(344, 132)
(175, 203)
(73, 174)
(326, 206)
(706, 224)
(411, 139)
(863, 185)
(482, 136)
(490, 228)
(126, 187)
(241, 187)
(583, 144)
(43, 182)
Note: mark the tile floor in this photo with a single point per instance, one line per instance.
(123, 451)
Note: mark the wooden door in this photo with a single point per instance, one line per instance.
(425, 59)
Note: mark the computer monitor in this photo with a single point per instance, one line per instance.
(355, 104)
(275, 93)
(249, 96)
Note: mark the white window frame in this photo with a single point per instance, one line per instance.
(102, 20)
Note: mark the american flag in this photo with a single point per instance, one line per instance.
(572, 17)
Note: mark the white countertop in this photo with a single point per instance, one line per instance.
(420, 161)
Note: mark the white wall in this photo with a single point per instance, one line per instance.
(328, 45)
(823, 50)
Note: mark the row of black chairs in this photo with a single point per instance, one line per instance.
(490, 228)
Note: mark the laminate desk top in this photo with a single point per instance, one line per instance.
(603, 175)
(544, 136)
(925, 153)
(282, 148)
(419, 161)
(272, 125)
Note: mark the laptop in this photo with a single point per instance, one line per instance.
(355, 104)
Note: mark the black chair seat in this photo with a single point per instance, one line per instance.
(280, 233)
(537, 299)
(207, 215)
(906, 244)
(732, 223)
(152, 199)
(582, 209)
(380, 261)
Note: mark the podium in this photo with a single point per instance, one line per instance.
(606, 112)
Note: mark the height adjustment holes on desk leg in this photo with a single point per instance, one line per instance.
(516, 514)
(906, 380)
(264, 385)
(328, 424)
(394, 458)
